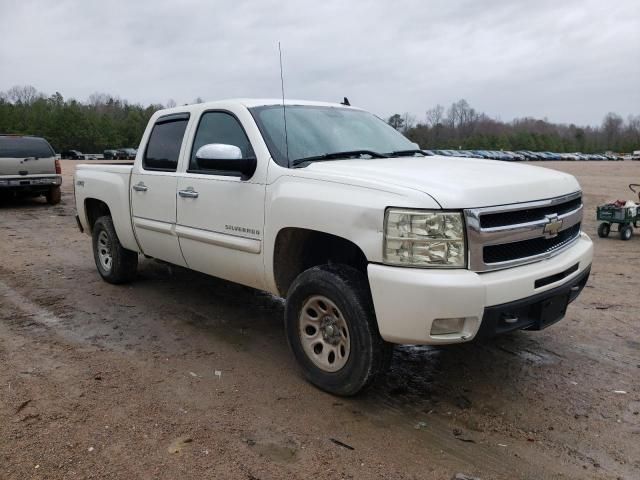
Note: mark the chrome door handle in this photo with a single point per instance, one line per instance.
(140, 187)
(188, 193)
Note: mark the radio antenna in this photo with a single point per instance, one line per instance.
(284, 108)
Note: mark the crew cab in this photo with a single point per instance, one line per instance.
(28, 167)
(371, 242)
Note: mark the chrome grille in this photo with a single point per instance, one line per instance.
(510, 235)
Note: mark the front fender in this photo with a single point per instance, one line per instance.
(355, 213)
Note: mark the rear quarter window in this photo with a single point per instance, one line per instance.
(24, 147)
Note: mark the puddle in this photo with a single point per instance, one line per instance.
(282, 451)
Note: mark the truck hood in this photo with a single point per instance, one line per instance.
(454, 182)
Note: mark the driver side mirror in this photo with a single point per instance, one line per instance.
(225, 158)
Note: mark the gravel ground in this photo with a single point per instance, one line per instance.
(179, 375)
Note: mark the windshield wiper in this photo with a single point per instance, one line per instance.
(407, 153)
(337, 155)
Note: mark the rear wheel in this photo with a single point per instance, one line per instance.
(54, 195)
(115, 263)
(332, 329)
(603, 230)
(626, 231)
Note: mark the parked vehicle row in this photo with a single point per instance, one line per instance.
(72, 155)
(126, 154)
(120, 154)
(517, 156)
(111, 154)
(522, 155)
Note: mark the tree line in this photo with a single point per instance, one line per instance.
(462, 127)
(104, 121)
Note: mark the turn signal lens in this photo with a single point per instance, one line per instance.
(58, 168)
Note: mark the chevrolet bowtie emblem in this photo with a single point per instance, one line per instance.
(552, 226)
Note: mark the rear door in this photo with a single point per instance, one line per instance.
(26, 156)
(153, 189)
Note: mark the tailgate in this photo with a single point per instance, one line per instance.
(27, 166)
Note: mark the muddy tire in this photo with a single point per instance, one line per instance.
(603, 230)
(626, 231)
(115, 263)
(332, 330)
(54, 195)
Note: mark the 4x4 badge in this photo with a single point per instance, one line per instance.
(553, 226)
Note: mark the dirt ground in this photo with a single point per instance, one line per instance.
(183, 376)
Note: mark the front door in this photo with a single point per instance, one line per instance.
(153, 190)
(220, 216)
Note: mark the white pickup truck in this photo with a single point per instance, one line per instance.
(371, 241)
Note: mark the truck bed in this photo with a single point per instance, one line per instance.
(107, 183)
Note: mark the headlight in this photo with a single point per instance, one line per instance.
(422, 238)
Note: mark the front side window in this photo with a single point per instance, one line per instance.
(163, 147)
(219, 127)
(313, 130)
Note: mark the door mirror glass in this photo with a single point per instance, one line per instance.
(223, 158)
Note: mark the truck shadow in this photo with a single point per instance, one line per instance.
(22, 203)
(421, 379)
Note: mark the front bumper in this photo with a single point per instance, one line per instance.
(532, 313)
(408, 300)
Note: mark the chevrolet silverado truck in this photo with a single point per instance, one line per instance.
(28, 167)
(371, 242)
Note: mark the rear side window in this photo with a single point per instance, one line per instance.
(24, 147)
(163, 148)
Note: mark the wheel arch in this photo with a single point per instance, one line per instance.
(94, 209)
(298, 249)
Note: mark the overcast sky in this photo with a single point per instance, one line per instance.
(567, 60)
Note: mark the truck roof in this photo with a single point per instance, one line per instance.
(250, 103)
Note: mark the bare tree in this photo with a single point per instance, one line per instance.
(171, 103)
(435, 115)
(98, 98)
(612, 128)
(23, 94)
(409, 121)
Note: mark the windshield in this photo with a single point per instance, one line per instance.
(24, 147)
(315, 131)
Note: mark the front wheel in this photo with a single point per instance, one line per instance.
(603, 230)
(332, 329)
(115, 263)
(625, 232)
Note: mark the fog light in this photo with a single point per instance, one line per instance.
(444, 326)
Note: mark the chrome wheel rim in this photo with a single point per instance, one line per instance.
(324, 334)
(104, 251)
